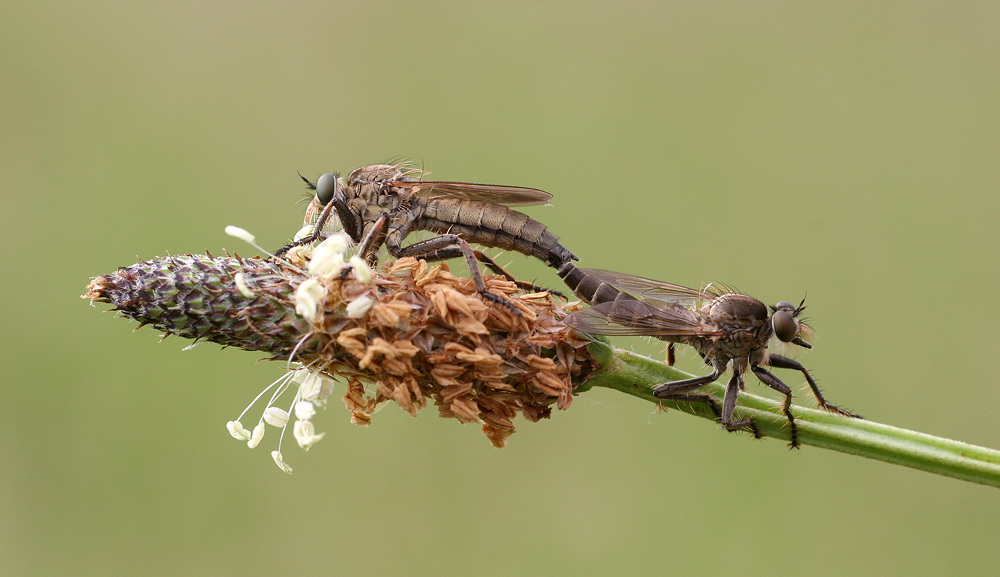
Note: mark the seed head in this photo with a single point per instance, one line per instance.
(408, 334)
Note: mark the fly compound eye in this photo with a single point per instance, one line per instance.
(785, 325)
(326, 187)
(784, 305)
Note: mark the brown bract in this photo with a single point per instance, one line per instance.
(427, 335)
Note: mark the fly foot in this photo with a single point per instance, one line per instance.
(534, 288)
(839, 411)
(746, 425)
(488, 296)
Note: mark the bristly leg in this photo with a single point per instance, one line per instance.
(677, 391)
(772, 381)
(782, 362)
(443, 247)
(446, 246)
(742, 425)
(477, 278)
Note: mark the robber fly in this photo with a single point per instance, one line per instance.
(379, 205)
(727, 328)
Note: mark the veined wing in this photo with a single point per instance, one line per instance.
(491, 193)
(635, 317)
(659, 290)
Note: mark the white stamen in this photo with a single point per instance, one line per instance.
(358, 307)
(241, 234)
(361, 269)
(237, 431)
(308, 297)
(325, 263)
(304, 410)
(276, 455)
(328, 258)
(314, 386)
(257, 435)
(241, 284)
(336, 243)
(299, 255)
(248, 238)
(275, 417)
(305, 434)
(281, 382)
(303, 232)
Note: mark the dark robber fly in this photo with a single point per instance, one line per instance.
(381, 204)
(728, 329)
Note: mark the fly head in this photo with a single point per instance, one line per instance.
(329, 205)
(327, 187)
(786, 324)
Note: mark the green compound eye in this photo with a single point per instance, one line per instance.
(326, 187)
(785, 325)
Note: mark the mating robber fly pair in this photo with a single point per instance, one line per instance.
(380, 205)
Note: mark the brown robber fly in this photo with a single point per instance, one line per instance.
(727, 329)
(379, 205)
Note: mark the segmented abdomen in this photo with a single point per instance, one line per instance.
(494, 225)
(592, 290)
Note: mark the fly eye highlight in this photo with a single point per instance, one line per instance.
(326, 188)
(786, 327)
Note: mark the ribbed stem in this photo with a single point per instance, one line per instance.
(636, 375)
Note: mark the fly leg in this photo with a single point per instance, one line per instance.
(677, 391)
(781, 362)
(439, 245)
(733, 388)
(454, 252)
(666, 390)
(369, 245)
(435, 249)
(368, 248)
(347, 219)
(470, 260)
(786, 407)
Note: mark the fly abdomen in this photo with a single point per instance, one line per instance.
(496, 226)
(588, 287)
(493, 217)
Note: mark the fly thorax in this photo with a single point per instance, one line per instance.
(766, 331)
(369, 212)
(712, 351)
(372, 193)
(375, 173)
(741, 320)
(737, 343)
(734, 308)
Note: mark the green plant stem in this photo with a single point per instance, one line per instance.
(636, 375)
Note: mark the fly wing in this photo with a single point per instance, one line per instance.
(654, 289)
(644, 318)
(491, 193)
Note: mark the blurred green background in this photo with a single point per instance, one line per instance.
(845, 150)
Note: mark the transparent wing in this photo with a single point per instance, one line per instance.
(634, 317)
(491, 193)
(658, 290)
